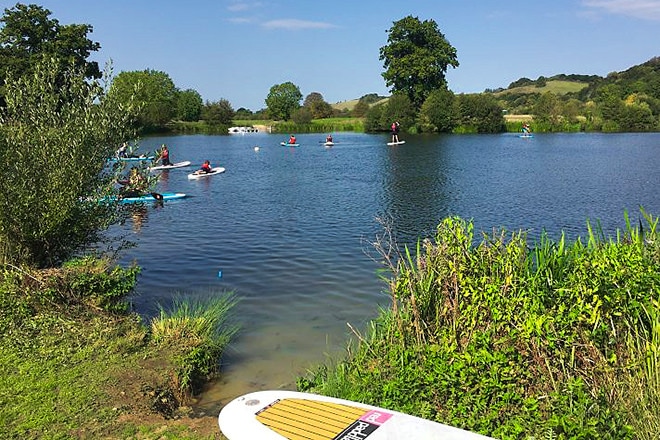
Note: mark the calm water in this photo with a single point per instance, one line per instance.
(290, 228)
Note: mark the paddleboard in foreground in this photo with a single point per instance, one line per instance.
(277, 415)
(200, 175)
(396, 143)
(185, 163)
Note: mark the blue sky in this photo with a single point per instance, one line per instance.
(237, 50)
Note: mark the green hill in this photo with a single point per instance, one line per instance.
(558, 87)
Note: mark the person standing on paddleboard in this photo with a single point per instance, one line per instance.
(165, 156)
(395, 131)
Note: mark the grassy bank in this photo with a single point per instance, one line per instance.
(76, 365)
(556, 340)
(327, 125)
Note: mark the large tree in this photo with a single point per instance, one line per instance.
(282, 100)
(154, 91)
(28, 35)
(416, 58)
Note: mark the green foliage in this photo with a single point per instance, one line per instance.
(514, 342)
(153, 91)
(317, 106)
(373, 120)
(282, 100)
(218, 112)
(416, 58)
(189, 105)
(361, 108)
(57, 132)
(29, 35)
(302, 115)
(320, 126)
(480, 113)
(397, 108)
(437, 112)
(548, 110)
(623, 101)
(94, 282)
(199, 332)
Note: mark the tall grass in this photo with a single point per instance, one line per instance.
(198, 331)
(640, 388)
(511, 339)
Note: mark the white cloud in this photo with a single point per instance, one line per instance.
(240, 20)
(294, 24)
(645, 9)
(242, 6)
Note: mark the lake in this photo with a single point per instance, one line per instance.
(290, 230)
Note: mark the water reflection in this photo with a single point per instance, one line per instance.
(139, 215)
(415, 187)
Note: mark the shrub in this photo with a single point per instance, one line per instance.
(198, 332)
(64, 128)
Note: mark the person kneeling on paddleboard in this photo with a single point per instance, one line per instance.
(292, 139)
(134, 186)
(206, 168)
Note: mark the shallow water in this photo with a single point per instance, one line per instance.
(289, 229)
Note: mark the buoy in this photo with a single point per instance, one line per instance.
(256, 148)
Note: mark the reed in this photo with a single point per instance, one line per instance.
(198, 332)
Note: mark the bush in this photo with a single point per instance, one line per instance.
(58, 131)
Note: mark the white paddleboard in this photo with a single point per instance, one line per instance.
(169, 167)
(396, 143)
(329, 144)
(277, 415)
(198, 175)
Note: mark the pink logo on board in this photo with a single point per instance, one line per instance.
(376, 417)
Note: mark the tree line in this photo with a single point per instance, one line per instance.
(415, 60)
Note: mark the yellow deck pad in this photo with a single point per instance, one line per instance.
(301, 419)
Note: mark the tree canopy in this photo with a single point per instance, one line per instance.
(416, 58)
(153, 90)
(28, 35)
(218, 112)
(282, 100)
(189, 105)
